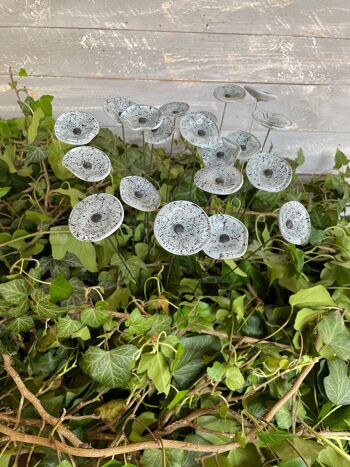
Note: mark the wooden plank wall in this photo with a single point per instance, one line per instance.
(155, 51)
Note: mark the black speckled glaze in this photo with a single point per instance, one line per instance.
(115, 106)
(219, 179)
(229, 93)
(69, 122)
(87, 163)
(294, 223)
(224, 154)
(268, 172)
(199, 130)
(139, 193)
(249, 144)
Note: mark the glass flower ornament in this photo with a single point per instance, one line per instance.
(160, 134)
(219, 179)
(273, 121)
(229, 92)
(87, 163)
(294, 223)
(249, 144)
(115, 106)
(225, 153)
(259, 95)
(268, 172)
(174, 109)
(182, 228)
(229, 238)
(76, 128)
(141, 117)
(199, 130)
(96, 217)
(139, 193)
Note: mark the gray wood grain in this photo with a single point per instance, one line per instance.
(320, 18)
(313, 108)
(175, 56)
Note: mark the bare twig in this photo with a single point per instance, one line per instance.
(55, 422)
(114, 451)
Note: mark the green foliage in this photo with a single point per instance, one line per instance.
(124, 348)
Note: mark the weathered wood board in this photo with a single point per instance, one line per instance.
(176, 56)
(318, 18)
(313, 108)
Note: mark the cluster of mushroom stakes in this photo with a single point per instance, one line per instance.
(182, 227)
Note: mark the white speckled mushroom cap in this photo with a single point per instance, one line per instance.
(249, 144)
(141, 117)
(160, 134)
(294, 223)
(273, 121)
(199, 130)
(229, 238)
(219, 179)
(229, 93)
(182, 228)
(174, 109)
(139, 193)
(225, 153)
(76, 128)
(259, 95)
(87, 163)
(268, 172)
(115, 106)
(96, 217)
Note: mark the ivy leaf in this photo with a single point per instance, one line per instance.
(22, 72)
(340, 159)
(34, 125)
(330, 458)
(238, 307)
(110, 368)
(14, 292)
(94, 317)
(131, 271)
(216, 372)
(60, 288)
(234, 379)
(335, 336)
(34, 153)
(62, 242)
(21, 324)
(337, 384)
(4, 190)
(191, 362)
(152, 457)
(317, 296)
(43, 307)
(67, 326)
(138, 324)
(157, 369)
(304, 316)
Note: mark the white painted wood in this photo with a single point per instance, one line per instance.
(311, 107)
(320, 18)
(176, 56)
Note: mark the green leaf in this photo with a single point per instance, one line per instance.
(296, 462)
(34, 125)
(34, 153)
(94, 317)
(247, 456)
(82, 333)
(238, 307)
(14, 292)
(274, 437)
(317, 296)
(21, 324)
(110, 368)
(110, 411)
(234, 379)
(337, 384)
(157, 369)
(284, 417)
(131, 271)
(43, 307)
(153, 457)
(335, 336)
(9, 156)
(304, 316)
(191, 362)
(56, 152)
(137, 323)
(4, 190)
(330, 458)
(60, 288)
(64, 464)
(140, 424)
(216, 372)
(67, 326)
(340, 159)
(23, 72)
(62, 242)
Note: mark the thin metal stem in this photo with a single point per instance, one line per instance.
(151, 163)
(125, 148)
(248, 205)
(252, 120)
(170, 158)
(121, 257)
(144, 150)
(267, 135)
(169, 271)
(193, 170)
(223, 115)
